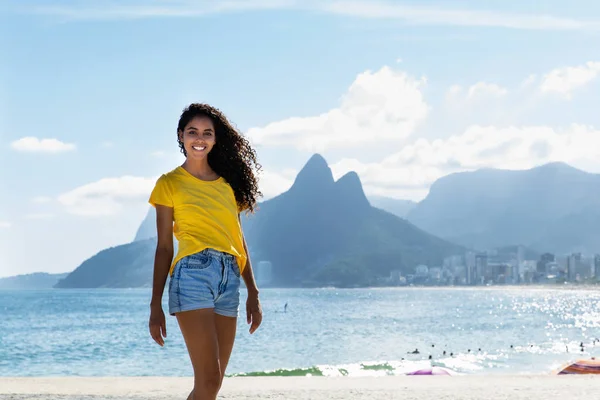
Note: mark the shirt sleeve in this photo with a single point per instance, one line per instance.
(162, 193)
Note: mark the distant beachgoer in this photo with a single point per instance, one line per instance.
(285, 307)
(416, 351)
(200, 202)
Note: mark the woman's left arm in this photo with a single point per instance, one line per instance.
(253, 307)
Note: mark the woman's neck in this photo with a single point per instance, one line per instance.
(199, 168)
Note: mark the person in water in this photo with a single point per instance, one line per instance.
(200, 203)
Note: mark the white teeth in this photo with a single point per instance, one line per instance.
(198, 148)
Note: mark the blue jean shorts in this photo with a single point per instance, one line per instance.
(208, 279)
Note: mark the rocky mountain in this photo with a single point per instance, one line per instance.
(325, 232)
(553, 207)
(147, 228)
(124, 266)
(320, 232)
(37, 280)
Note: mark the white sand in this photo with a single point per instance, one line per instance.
(492, 387)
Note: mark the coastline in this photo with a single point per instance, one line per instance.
(493, 387)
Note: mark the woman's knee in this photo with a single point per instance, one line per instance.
(209, 381)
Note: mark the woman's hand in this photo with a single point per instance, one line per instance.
(157, 324)
(253, 311)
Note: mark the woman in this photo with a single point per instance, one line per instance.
(200, 203)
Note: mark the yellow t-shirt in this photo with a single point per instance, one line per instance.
(205, 214)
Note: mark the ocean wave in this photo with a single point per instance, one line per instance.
(376, 368)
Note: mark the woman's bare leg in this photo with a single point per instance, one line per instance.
(198, 328)
(226, 328)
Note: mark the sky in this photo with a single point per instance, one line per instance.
(402, 92)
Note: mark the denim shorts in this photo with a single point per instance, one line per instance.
(208, 279)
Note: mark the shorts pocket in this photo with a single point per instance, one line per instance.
(235, 268)
(198, 261)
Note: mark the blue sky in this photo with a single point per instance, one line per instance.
(401, 92)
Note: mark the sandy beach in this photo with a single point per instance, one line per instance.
(490, 387)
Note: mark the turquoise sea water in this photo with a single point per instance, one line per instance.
(324, 332)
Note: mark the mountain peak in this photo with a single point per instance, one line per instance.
(147, 228)
(350, 187)
(315, 174)
(317, 160)
(557, 166)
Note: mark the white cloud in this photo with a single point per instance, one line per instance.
(273, 183)
(35, 145)
(455, 17)
(106, 196)
(530, 80)
(39, 216)
(454, 90)
(477, 91)
(409, 172)
(140, 9)
(41, 199)
(486, 89)
(412, 14)
(5, 225)
(384, 105)
(567, 79)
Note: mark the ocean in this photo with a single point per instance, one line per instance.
(331, 332)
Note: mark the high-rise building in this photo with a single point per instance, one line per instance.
(573, 262)
(520, 255)
(482, 273)
(515, 272)
(542, 267)
(470, 271)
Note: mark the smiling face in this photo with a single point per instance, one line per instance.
(198, 137)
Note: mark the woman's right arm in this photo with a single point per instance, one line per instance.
(162, 263)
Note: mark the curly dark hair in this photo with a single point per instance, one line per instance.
(231, 158)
